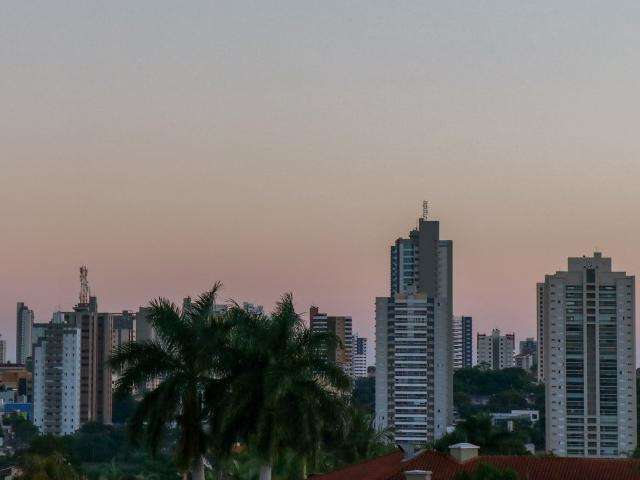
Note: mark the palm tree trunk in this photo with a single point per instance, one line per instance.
(265, 472)
(197, 470)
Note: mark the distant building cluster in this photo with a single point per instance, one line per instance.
(351, 352)
(583, 351)
(69, 381)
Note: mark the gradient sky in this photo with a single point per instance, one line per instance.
(285, 145)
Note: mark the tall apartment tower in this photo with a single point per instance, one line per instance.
(341, 326)
(540, 329)
(24, 326)
(414, 372)
(462, 339)
(589, 359)
(496, 351)
(96, 345)
(359, 357)
(3, 351)
(57, 373)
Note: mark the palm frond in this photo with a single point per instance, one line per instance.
(140, 362)
(165, 318)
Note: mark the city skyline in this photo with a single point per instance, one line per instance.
(280, 148)
(521, 330)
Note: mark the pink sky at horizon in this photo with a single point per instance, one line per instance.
(285, 147)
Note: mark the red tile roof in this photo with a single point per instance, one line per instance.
(380, 468)
(444, 467)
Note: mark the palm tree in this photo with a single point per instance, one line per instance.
(363, 440)
(285, 390)
(187, 360)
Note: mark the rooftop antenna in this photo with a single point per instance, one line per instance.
(425, 209)
(85, 293)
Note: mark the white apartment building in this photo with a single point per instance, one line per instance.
(589, 359)
(359, 356)
(496, 351)
(56, 380)
(413, 385)
(462, 339)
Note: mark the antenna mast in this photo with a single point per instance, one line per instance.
(85, 293)
(425, 209)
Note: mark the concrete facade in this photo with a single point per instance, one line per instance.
(462, 342)
(414, 368)
(24, 326)
(57, 372)
(341, 326)
(496, 351)
(540, 329)
(96, 345)
(412, 378)
(359, 357)
(589, 359)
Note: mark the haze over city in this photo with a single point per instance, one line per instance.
(284, 148)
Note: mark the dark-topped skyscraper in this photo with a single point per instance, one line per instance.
(423, 263)
(414, 367)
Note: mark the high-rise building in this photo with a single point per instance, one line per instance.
(414, 372)
(57, 373)
(589, 359)
(96, 345)
(413, 394)
(423, 263)
(124, 328)
(144, 329)
(462, 341)
(359, 357)
(495, 351)
(540, 329)
(3, 350)
(24, 325)
(342, 328)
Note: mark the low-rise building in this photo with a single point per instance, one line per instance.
(509, 419)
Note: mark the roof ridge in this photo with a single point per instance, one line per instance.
(366, 460)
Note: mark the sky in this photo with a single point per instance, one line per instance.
(284, 146)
